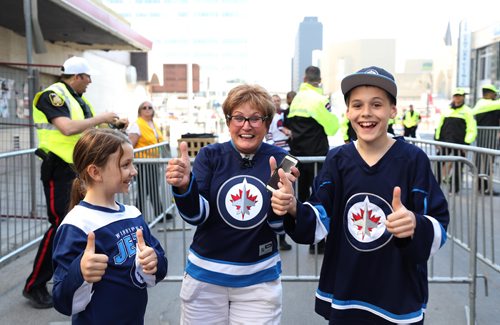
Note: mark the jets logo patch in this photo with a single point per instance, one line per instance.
(364, 224)
(56, 100)
(240, 202)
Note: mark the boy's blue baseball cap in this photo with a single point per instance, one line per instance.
(371, 76)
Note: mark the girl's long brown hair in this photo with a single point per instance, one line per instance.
(93, 148)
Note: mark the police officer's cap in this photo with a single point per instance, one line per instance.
(77, 65)
(459, 92)
(490, 87)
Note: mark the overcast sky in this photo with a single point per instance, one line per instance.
(418, 26)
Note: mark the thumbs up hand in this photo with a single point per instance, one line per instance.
(402, 222)
(146, 255)
(283, 200)
(92, 265)
(179, 169)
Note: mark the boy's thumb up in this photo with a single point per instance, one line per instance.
(183, 151)
(396, 199)
(140, 239)
(90, 248)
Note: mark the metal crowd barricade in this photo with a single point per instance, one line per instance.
(489, 137)
(150, 192)
(485, 162)
(445, 266)
(23, 209)
(23, 216)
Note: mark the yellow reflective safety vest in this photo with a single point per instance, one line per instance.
(457, 126)
(50, 139)
(486, 112)
(147, 138)
(310, 102)
(411, 120)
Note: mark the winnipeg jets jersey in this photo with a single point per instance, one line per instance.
(366, 268)
(235, 240)
(120, 297)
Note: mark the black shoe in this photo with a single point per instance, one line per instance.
(168, 216)
(284, 246)
(320, 246)
(39, 298)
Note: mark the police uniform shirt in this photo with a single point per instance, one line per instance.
(54, 106)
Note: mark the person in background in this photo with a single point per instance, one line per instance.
(487, 114)
(105, 256)
(347, 130)
(379, 205)
(289, 98)
(60, 114)
(487, 109)
(390, 126)
(142, 133)
(411, 119)
(311, 122)
(456, 125)
(278, 135)
(233, 268)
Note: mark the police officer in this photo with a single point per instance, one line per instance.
(311, 122)
(348, 133)
(456, 125)
(487, 113)
(410, 122)
(487, 109)
(60, 113)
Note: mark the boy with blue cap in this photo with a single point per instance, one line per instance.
(380, 208)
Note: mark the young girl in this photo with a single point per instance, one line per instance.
(104, 254)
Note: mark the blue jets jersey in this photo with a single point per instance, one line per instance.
(120, 297)
(235, 240)
(366, 268)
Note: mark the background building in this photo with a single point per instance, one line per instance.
(309, 38)
(29, 62)
(485, 58)
(212, 34)
(341, 59)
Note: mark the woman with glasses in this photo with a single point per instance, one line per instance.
(145, 132)
(233, 270)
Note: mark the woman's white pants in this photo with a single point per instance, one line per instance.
(205, 303)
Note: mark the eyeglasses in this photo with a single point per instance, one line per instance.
(239, 120)
(147, 107)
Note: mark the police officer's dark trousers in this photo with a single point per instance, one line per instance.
(57, 178)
